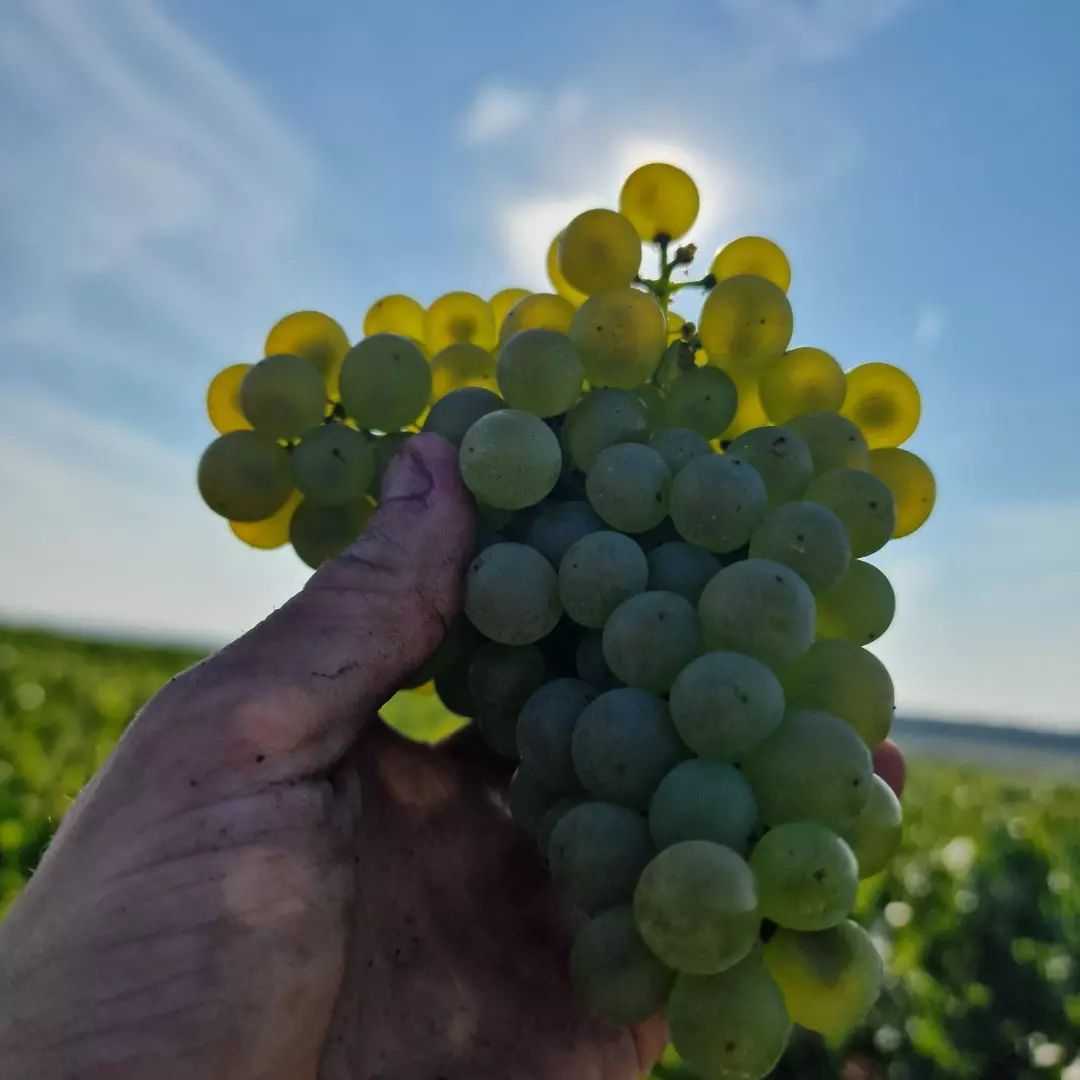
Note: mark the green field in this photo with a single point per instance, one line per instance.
(980, 915)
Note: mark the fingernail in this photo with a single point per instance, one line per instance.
(408, 477)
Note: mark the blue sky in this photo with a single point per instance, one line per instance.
(179, 174)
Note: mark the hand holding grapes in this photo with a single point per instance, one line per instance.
(264, 882)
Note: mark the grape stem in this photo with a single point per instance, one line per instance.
(663, 288)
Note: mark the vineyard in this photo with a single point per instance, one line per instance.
(979, 915)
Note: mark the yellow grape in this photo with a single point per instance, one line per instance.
(558, 281)
(599, 250)
(462, 365)
(314, 336)
(748, 414)
(503, 301)
(620, 335)
(459, 317)
(675, 323)
(223, 399)
(752, 255)
(884, 402)
(420, 715)
(537, 311)
(271, 532)
(803, 381)
(395, 314)
(660, 200)
(746, 320)
(911, 482)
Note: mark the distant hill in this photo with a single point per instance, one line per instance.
(996, 745)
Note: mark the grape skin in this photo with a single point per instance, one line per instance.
(703, 800)
(597, 573)
(545, 728)
(717, 501)
(650, 638)
(628, 486)
(510, 459)
(809, 538)
(512, 594)
(244, 476)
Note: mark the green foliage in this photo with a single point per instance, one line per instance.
(979, 913)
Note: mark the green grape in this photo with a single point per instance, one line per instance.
(717, 501)
(383, 449)
(452, 686)
(395, 314)
(597, 851)
(559, 526)
(333, 465)
(623, 744)
(591, 665)
(529, 799)
(834, 441)
(539, 371)
(653, 399)
(761, 608)
(724, 704)
(599, 249)
(681, 568)
(244, 476)
(830, 979)
(912, 484)
(884, 402)
(614, 974)
(545, 727)
(453, 415)
(679, 446)
(809, 538)
(620, 335)
(746, 320)
(271, 532)
(283, 395)
(703, 400)
(781, 458)
(597, 573)
(677, 361)
(732, 1025)
(659, 200)
(802, 381)
(319, 533)
(813, 767)
(860, 607)
(457, 646)
(875, 833)
(459, 366)
(806, 876)
(650, 638)
(510, 459)
(459, 317)
(512, 594)
(314, 336)
(862, 502)
(696, 907)
(551, 817)
(502, 303)
(385, 382)
(703, 800)
(752, 255)
(628, 486)
(601, 419)
(538, 311)
(847, 681)
(501, 679)
(223, 399)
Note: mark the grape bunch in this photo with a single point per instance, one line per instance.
(666, 616)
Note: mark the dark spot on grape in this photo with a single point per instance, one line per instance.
(779, 580)
(729, 1046)
(800, 538)
(768, 928)
(856, 782)
(819, 875)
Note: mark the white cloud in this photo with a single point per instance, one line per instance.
(810, 31)
(496, 112)
(930, 325)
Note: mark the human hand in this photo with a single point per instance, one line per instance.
(263, 882)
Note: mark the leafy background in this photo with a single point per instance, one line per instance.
(979, 916)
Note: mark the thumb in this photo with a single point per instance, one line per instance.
(305, 677)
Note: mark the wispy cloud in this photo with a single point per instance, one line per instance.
(930, 324)
(810, 31)
(495, 112)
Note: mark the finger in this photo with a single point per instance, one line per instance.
(650, 1038)
(342, 646)
(889, 765)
